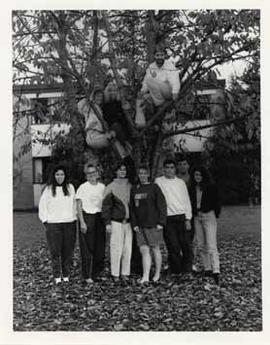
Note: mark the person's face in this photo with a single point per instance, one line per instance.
(60, 176)
(143, 176)
(98, 98)
(121, 172)
(197, 176)
(91, 175)
(183, 167)
(159, 58)
(169, 170)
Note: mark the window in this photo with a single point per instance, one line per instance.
(201, 109)
(40, 110)
(41, 168)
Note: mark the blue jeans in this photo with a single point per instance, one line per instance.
(206, 238)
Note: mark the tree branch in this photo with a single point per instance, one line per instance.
(216, 124)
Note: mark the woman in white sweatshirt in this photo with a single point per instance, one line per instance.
(57, 211)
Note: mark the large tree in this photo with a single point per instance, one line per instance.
(82, 48)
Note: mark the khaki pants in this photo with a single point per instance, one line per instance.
(206, 238)
(120, 248)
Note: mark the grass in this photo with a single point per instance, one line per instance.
(234, 221)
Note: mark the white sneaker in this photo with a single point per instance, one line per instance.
(57, 281)
(194, 268)
(66, 279)
(89, 281)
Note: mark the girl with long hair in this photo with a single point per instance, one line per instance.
(206, 209)
(57, 211)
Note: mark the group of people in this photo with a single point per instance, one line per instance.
(107, 124)
(181, 211)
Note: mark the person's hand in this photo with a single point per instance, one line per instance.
(136, 229)
(83, 227)
(160, 227)
(111, 135)
(188, 224)
(108, 228)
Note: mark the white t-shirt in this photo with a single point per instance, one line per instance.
(60, 208)
(91, 196)
(176, 195)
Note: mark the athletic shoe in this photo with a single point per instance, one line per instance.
(57, 280)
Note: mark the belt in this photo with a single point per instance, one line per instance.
(124, 221)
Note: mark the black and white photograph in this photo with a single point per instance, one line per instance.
(136, 167)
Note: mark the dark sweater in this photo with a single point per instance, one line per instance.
(113, 209)
(113, 113)
(148, 206)
(210, 200)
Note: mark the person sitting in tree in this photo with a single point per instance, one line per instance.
(99, 134)
(161, 81)
(114, 115)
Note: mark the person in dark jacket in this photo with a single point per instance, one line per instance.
(115, 212)
(206, 209)
(148, 218)
(115, 117)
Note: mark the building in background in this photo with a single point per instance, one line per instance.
(33, 132)
(39, 122)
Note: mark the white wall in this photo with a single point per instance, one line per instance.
(192, 143)
(42, 136)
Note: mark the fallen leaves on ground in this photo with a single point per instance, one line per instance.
(176, 303)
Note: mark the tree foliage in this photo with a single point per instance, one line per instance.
(84, 48)
(234, 150)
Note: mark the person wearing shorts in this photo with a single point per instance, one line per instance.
(148, 217)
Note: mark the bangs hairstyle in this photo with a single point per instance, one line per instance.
(206, 178)
(121, 164)
(108, 96)
(53, 182)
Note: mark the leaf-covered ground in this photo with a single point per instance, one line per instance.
(177, 303)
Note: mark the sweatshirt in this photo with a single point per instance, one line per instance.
(176, 195)
(166, 74)
(148, 206)
(59, 208)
